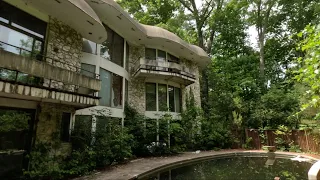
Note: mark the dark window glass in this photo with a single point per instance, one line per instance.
(150, 54)
(127, 56)
(162, 97)
(177, 99)
(118, 50)
(151, 101)
(22, 20)
(171, 99)
(89, 46)
(88, 70)
(116, 91)
(127, 91)
(65, 127)
(105, 92)
(172, 58)
(161, 56)
(113, 48)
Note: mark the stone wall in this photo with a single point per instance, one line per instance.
(65, 47)
(195, 87)
(136, 86)
(49, 124)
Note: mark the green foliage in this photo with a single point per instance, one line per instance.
(308, 74)
(247, 144)
(11, 120)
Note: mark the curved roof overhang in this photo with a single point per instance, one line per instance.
(76, 13)
(116, 18)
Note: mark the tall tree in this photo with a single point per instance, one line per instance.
(261, 10)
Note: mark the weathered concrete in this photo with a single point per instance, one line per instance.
(138, 167)
(42, 69)
(39, 94)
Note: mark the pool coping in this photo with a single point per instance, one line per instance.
(223, 154)
(142, 167)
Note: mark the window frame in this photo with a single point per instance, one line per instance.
(167, 54)
(11, 25)
(167, 97)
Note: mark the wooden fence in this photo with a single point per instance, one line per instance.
(307, 140)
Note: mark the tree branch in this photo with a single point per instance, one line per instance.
(186, 5)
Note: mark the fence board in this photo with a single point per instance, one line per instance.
(306, 139)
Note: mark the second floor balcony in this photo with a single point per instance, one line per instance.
(165, 70)
(32, 75)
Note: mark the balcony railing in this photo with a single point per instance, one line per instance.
(169, 67)
(46, 72)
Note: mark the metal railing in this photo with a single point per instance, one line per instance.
(40, 57)
(39, 81)
(152, 66)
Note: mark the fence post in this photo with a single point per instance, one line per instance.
(305, 133)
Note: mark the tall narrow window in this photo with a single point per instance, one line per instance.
(171, 99)
(118, 49)
(127, 56)
(150, 54)
(105, 92)
(113, 48)
(162, 97)
(116, 91)
(151, 97)
(161, 56)
(127, 91)
(177, 99)
(65, 127)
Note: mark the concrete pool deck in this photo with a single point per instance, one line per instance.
(142, 166)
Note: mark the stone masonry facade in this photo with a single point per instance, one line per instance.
(65, 47)
(136, 86)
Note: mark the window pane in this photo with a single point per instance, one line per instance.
(106, 47)
(105, 92)
(118, 50)
(17, 39)
(161, 56)
(116, 91)
(151, 101)
(171, 99)
(23, 20)
(65, 127)
(127, 91)
(150, 54)
(177, 99)
(6, 74)
(127, 57)
(88, 70)
(162, 97)
(89, 46)
(172, 58)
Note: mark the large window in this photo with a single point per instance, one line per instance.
(111, 89)
(163, 97)
(159, 55)
(151, 97)
(88, 70)
(21, 30)
(113, 48)
(105, 92)
(22, 34)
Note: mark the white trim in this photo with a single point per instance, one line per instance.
(159, 114)
(110, 112)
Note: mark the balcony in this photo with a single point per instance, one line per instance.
(41, 78)
(165, 70)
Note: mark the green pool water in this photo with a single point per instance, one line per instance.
(237, 168)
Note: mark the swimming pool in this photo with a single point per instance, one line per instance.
(238, 166)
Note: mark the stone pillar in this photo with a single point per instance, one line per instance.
(136, 86)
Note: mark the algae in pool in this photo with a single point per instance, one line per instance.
(238, 168)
